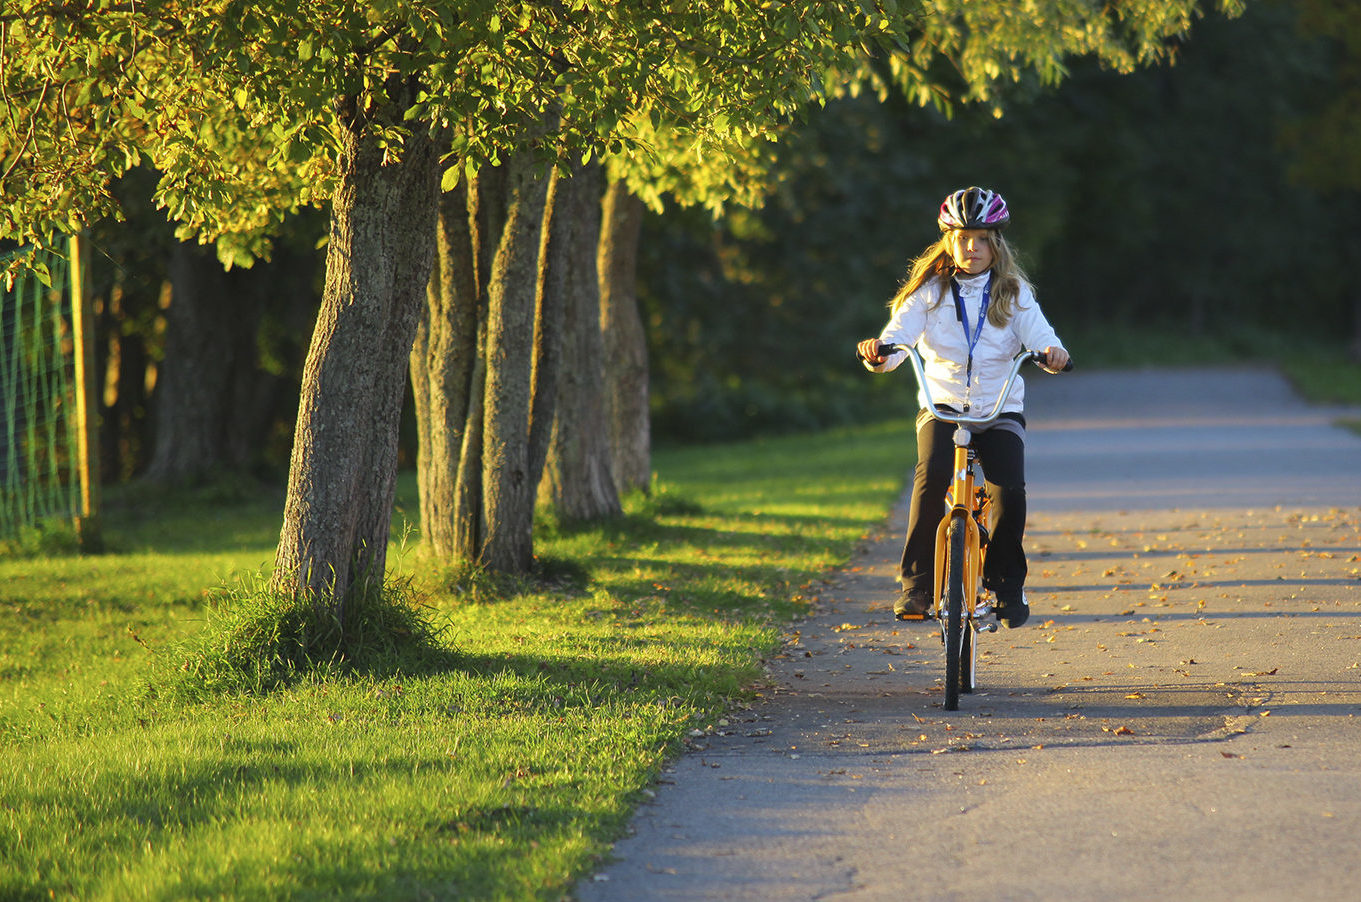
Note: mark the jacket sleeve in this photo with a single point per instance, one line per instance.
(1031, 326)
(905, 327)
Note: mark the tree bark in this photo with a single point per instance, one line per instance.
(487, 214)
(443, 363)
(484, 359)
(507, 493)
(549, 319)
(626, 366)
(578, 480)
(342, 476)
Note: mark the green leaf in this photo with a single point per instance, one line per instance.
(43, 274)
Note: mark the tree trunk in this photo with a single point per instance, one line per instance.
(626, 369)
(578, 480)
(443, 363)
(475, 364)
(507, 493)
(202, 339)
(123, 366)
(549, 316)
(344, 466)
(487, 215)
(215, 403)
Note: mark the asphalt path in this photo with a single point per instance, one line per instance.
(1178, 721)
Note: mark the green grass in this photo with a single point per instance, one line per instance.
(1325, 377)
(501, 768)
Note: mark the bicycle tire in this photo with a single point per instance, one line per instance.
(954, 614)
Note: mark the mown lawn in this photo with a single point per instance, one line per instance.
(502, 771)
(502, 767)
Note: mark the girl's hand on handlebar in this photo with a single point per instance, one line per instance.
(1055, 359)
(868, 351)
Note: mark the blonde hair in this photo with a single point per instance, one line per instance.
(936, 263)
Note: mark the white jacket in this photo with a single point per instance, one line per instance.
(939, 335)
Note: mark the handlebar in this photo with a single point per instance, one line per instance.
(961, 419)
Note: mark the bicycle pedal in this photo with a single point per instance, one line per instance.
(985, 627)
(914, 617)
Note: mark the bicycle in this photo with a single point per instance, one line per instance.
(958, 602)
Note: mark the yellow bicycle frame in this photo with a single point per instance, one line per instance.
(967, 500)
(969, 508)
(967, 504)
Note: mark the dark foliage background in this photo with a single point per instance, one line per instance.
(1173, 203)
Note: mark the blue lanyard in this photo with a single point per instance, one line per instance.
(971, 336)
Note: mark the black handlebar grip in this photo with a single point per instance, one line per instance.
(1038, 358)
(882, 351)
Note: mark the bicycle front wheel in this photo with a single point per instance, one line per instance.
(954, 614)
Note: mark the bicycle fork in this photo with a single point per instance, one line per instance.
(968, 504)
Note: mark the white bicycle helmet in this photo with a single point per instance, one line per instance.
(973, 208)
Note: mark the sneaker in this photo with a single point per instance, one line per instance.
(912, 604)
(1012, 609)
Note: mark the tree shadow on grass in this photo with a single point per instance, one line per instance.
(122, 809)
(769, 528)
(708, 570)
(555, 681)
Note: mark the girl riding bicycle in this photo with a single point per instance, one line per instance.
(968, 308)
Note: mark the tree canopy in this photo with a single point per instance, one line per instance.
(236, 104)
(251, 109)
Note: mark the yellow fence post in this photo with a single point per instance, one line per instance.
(87, 419)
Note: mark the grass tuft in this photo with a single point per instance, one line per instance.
(257, 639)
(473, 583)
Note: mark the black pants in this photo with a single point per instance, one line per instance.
(1001, 451)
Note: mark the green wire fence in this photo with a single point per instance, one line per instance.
(40, 436)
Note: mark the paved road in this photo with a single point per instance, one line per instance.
(1179, 721)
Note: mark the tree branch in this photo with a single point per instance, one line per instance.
(4, 93)
(28, 138)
